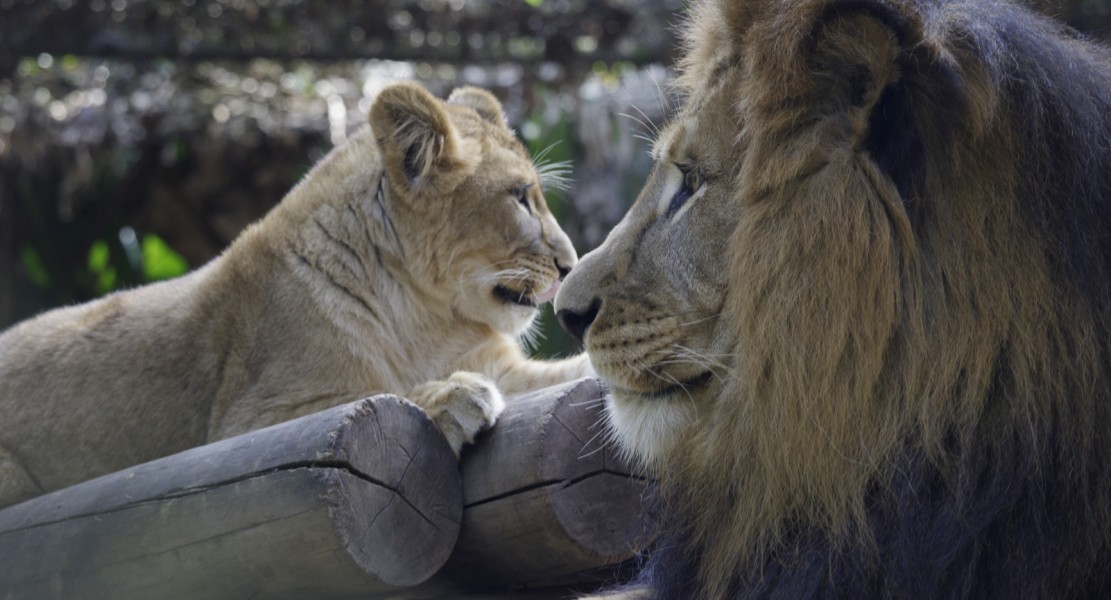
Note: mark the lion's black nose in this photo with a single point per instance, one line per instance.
(576, 323)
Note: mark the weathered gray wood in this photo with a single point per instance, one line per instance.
(546, 499)
(352, 501)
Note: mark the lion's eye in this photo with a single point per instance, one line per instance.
(692, 182)
(520, 192)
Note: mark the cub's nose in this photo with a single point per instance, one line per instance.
(576, 323)
(563, 271)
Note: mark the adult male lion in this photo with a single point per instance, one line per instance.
(858, 322)
(416, 251)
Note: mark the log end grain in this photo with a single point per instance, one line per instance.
(546, 496)
(392, 444)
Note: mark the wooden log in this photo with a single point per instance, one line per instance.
(547, 501)
(356, 500)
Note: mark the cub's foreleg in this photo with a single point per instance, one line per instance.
(503, 361)
(527, 375)
(464, 405)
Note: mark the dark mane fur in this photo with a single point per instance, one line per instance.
(1004, 505)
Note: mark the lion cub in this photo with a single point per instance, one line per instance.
(409, 260)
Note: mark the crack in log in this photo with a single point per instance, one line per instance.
(563, 483)
(200, 489)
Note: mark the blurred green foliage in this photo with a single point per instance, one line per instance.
(549, 136)
(160, 261)
(138, 138)
(103, 273)
(153, 260)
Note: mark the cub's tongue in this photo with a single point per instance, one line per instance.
(548, 294)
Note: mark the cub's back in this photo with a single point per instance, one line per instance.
(107, 349)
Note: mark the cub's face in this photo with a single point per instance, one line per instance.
(647, 302)
(511, 253)
(468, 205)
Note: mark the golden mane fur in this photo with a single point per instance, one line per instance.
(890, 278)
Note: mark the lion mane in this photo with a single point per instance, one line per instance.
(915, 399)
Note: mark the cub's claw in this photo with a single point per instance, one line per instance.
(464, 405)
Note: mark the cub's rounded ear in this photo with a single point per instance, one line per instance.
(418, 142)
(484, 103)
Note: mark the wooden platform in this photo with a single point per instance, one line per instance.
(362, 500)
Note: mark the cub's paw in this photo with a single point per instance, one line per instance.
(464, 405)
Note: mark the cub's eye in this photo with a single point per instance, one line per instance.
(692, 182)
(520, 192)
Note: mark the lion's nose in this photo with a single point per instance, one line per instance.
(576, 323)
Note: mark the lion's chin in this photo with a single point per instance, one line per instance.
(647, 427)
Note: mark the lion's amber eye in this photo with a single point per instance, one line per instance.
(692, 180)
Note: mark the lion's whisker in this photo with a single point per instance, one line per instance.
(704, 359)
(589, 403)
(649, 129)
(702, 320)
(601, 446)
(653, 127)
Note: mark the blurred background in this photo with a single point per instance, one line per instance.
(139, 137)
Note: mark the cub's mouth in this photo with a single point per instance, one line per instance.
(525, 298)
(509, 296)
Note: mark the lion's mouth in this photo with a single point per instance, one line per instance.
(680, 388)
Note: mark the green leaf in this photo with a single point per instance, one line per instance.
(36, 270)
(100, 267)
(534, 3)
(98, 256)
(160, 261)
(106, 281)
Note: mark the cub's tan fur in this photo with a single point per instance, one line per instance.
(413, 253)
(857, 321)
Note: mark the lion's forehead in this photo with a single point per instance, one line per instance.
(704, 134)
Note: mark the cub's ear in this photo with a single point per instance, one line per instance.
(419, 144)
(484, 103)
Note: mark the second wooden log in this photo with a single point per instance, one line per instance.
(546, 498)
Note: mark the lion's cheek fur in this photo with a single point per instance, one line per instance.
(821, 256)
